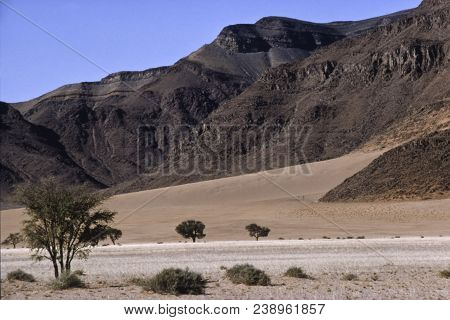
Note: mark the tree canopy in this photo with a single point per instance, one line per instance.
(13, 239)
(191, 229)
(257, 231)
(64, 222)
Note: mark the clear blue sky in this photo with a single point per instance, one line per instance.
(134, 35)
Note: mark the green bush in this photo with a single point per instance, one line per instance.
(296, 272)
(350, 277)
(248, 275)
(67, 280)
(173, 281)
(20, 275)
(445, 273)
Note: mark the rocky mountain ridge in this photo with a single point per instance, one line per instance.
(350, 83)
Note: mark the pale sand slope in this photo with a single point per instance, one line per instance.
(227, 205)
(405, 268)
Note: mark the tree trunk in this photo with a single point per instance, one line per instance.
(61, 264)
(257, 238)
(68, 265)
(193, 239)
(55, 267)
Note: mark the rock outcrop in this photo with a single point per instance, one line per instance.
(419, 169)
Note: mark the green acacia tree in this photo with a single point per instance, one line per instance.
(13, 239)
(191, 229)
(256, 231)
(64, 222)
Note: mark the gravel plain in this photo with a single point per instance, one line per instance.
(400, 268)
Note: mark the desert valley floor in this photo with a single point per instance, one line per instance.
(284, 200)
(405, 268)
(405, 243)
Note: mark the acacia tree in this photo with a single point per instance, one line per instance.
(64, 222)
(191, 229)
(257, 231)
(13, 239)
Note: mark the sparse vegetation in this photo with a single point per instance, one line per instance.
(445, 273)
(79, 273)
(296, 272)
(67, 280)
(63, 222)
(248, 275)
(140, 281)
(20, 275)
(360, 237)
(191, 229)
(349, 277)
(256, 231)
(173, 281)
(13, 239)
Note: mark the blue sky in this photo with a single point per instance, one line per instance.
(134, 35)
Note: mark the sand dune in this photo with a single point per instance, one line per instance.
(227, 205)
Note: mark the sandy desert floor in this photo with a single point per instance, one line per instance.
(401, 268)
(284, 200)
(405, 264)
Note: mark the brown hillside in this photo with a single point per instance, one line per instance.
(419, 169)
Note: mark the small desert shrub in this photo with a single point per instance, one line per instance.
(66, 281)
(248, 275)
(223, 268)
(374, 277)
(20, 275)
(360, 237)
(79, 273)
(296, 272)
(445, 273)
(350, 277)
(174, 281)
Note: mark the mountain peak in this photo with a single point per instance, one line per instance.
(432, 3)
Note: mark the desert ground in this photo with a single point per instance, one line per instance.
(405, 245)
(284, 200)
(400, 268)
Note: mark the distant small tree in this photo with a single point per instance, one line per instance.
(257, 231)
(63, 222)
(13, 239)
(191, 229)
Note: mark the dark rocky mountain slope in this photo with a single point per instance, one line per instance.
(96, 122)
(379, 89)
(419, 169)
(29, 150)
